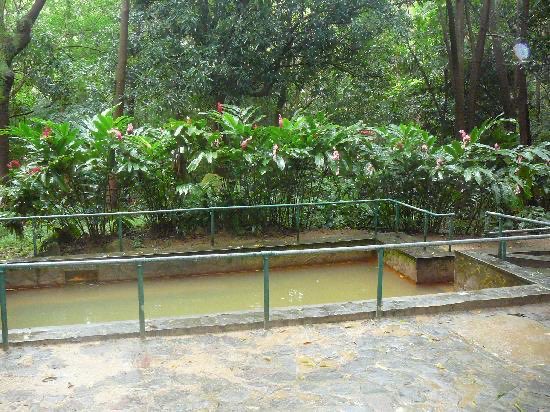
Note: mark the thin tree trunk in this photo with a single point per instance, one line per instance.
(521, 77)
(500, 66)
(122, 58)
(475, 66)
(6, 83)
(471, 36)
(537, 99)
(459, 76)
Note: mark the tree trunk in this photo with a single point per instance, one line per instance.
(475, 66)
(122, 58)
(459, 75)
(467, 7)
(537, 99)
(11, 44)
(6, 83)
(521, 77)
(500, 67)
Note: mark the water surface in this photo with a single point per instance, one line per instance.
(304, 285)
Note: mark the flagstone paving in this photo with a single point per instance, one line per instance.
(495, 359)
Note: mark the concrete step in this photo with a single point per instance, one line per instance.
(433, 265)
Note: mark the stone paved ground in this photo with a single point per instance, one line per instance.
(482, 360)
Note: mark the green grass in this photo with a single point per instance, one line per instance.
(12, 246)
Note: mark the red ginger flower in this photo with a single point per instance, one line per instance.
(14, 164)
(35, 170)
(46, 132)
(366, 132)
(117, 133)
(219, 107)
(465, 137)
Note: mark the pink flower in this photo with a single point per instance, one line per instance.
(35, 170)
(335, 155)
(46, 132)
(117, 133)
(280, 121)
(497, 146)
(219, 107)
(245, 142)
(465, 137)
(130, 128)
(366, 132)
(439, 162)
(14, 164)
(424, 148)
(520, 159)
(275, 148)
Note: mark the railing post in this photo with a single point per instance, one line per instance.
(451, 224)
(486, 221)
(141, 300)
(3, 308)
(34, 243)
(397, 217)
(376, 217)
(425, 228)
(266, 291)
(380, 280)
(212, 227)
(501, 243)
(119, 231)
(297, 219)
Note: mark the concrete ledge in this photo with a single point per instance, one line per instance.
(404, 306)
(474, 270)
(433, 265)
(20, 278)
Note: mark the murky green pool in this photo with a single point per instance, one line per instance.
(94, 303)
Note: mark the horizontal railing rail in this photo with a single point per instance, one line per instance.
(211, 210)
(501, 218)
(265, 255)
(518, 219)
(533, 229)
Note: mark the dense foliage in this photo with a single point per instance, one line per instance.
(377, 61)
(224, 157)
(371, 94)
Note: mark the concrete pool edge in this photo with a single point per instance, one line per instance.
(291, 316)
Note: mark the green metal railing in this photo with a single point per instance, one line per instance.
(264, 255)
(211, 211)
(501, 219)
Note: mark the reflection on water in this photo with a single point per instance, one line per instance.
(93, 303)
